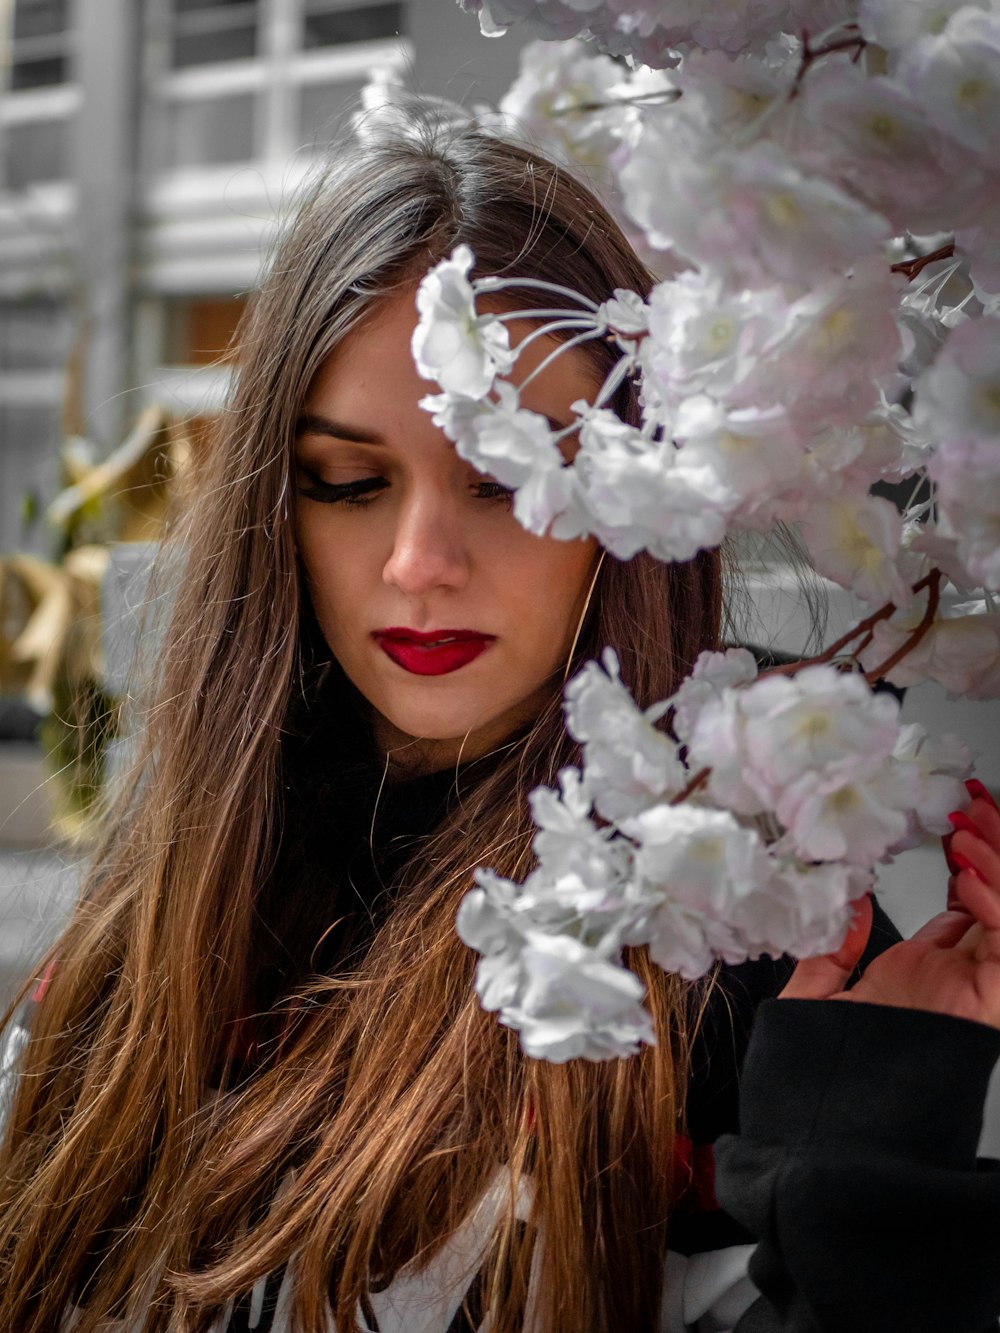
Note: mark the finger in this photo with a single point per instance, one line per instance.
(986, 817)
(954, 903)
(819, 978)
(943, 931)
(979, 791)
(981, 818)
(969, 851)
(979, 897)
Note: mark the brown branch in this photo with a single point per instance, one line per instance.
(857, 43)
(862, 627)
(911, 267)
(697, 781)
(933, 582)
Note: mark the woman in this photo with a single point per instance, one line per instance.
(259, 1086)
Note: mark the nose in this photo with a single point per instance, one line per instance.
(429, 549)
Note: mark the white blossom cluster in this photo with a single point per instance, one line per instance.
(791, 360)
(819, 181)
(817, 762)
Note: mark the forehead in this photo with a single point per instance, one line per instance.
(373, 366)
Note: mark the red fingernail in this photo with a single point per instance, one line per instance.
(960, 820)
(975, 788)
(964, 863)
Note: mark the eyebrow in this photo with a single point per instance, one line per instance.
(310, 423)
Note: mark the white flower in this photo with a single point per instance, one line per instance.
(704, 338)
(857, 821)
(463, 352)
(712, 673)
(967, 472)
(935, 768)
(824, 360)
(569, 844)
(981, 247)
(752, 452)
(894, 25)
(956, 77)
(637, 495)
(960, 393)
(765, 738)
(873, 136)
(855, 540)
(626, 313)
(568, 995)
(751, 213)
(803, 911)
(701, 858)
(575, 1003)
(629, 764)
(555, 101)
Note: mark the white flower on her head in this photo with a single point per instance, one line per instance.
(464, 352)
(752, 452)
(626, 312)
(637, 496)
(703, 338)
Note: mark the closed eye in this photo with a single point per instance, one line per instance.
(360, 492)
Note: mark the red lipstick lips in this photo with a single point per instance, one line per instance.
(432, 652)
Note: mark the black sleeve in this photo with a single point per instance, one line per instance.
(855, 1168)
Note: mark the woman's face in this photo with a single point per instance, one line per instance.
(443, 611)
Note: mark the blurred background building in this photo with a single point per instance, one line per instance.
(145, 149)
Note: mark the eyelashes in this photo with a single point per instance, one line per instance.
(359, 494)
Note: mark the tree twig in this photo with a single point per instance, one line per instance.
(933, 582)
(855, 42)
(911, 267)
(699, 780)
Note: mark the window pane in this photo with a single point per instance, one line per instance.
(38, 73)
(36, 151)
(324, 108)
(210, 131)
(34, 335)
(39, 18)
(204, 48)
(358, 24)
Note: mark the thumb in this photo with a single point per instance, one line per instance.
(819, 978)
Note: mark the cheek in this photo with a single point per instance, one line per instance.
(323, 561)
(551, 586)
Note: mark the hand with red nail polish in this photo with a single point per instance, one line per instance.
(952, 964)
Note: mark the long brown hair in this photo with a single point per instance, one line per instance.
(130, 1189)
